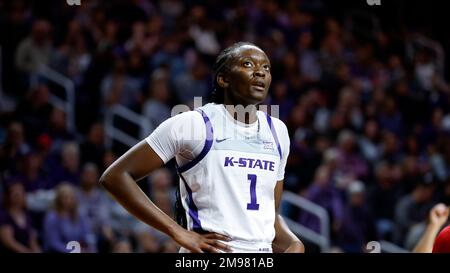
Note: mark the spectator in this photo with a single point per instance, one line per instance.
(93, 204)
(155, 107)
(36, 49)
(193, 83)
(67, 169)
(350, 162)
(13, 148)
(358, 224)
(93, 148)
(17, 233)
(119, 88)
(35, 110)
(32, 174)
(57, 129)
(383, 196)
(65, 223)
(369, 142)
(122, 246)
(414, 207)
(325, 195)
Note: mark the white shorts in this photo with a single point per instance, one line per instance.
(243, 247)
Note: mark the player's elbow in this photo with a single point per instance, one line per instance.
(299, 246)
(106, 178)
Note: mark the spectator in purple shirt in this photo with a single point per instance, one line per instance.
(324, 194)
(93, 204)
(65, 224)
(67, 166)
(351, 162)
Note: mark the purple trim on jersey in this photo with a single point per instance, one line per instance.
(274, 134)
(206, 148)
(193, 210)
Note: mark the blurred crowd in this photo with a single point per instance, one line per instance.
(366, 105)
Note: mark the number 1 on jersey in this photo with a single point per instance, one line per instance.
(253, 205)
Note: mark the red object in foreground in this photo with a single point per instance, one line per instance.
(442, 242)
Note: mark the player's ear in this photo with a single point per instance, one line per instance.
(222, 80)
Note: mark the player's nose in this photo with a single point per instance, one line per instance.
(259, 73)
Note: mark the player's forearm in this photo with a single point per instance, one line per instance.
(425, 244)
(125, 191)
(285, 240)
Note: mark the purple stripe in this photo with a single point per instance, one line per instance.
(193, 210)
(274, 134)
(206, 148)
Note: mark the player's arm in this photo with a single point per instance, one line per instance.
(436, 219)
(285, 240)
(120, 181)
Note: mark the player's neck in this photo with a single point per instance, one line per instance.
(242, 112)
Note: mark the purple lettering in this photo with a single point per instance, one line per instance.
(250, 163)
(229, 161)
(258, 164)
(242, 162)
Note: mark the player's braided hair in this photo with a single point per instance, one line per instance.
(180, 213)
(221, 65)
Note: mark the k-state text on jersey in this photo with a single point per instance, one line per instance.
(251, 163)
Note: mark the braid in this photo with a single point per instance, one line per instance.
(180, 213)
(221, 65)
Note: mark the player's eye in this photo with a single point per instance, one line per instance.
(247, 64)
(266, 67)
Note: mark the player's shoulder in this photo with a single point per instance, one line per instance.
(209, 108)
(188, 116)
(182, 123)
(195, 116)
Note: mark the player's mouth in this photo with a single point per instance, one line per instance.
(259, 86)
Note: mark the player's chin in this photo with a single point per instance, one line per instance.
(256, 96)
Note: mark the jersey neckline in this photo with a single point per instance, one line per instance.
(237, 122)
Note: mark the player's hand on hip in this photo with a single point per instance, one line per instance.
(199, 243)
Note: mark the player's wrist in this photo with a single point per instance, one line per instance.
(174, 231)
(434, 227)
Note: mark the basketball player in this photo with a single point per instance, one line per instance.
(231, 166)
(442, 242)
(430, 241)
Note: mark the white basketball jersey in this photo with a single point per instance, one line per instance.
(229, 187)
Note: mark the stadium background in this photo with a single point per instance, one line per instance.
(363, 90)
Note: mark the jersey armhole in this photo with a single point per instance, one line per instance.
(274, 134)
(206, 148)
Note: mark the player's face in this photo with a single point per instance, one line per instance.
(249, 75)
